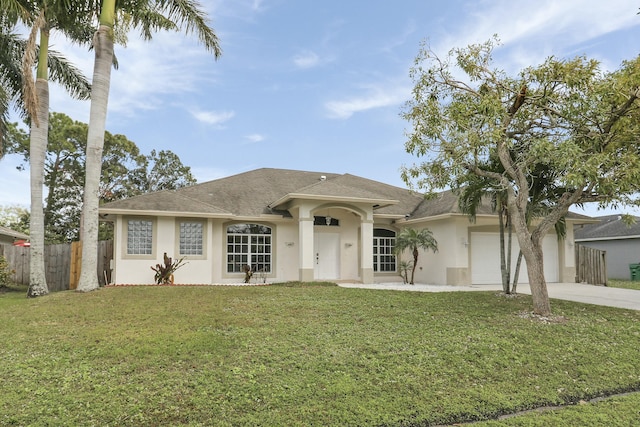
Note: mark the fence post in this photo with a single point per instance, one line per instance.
(76, 264)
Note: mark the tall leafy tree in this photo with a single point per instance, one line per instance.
(160, 170)
(414, 240)
(126, 172)
(148, 16)
(567, 115)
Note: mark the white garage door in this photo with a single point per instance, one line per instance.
(485, 259)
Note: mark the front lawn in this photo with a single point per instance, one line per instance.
(626, 284)
(293, 355)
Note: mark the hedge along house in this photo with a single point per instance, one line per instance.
(303, 226)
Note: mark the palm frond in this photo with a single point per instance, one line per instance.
(68, 76)
(189, 16)
(28, 62)
(11, 52)
(13, 12)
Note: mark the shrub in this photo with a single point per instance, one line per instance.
(5, 272)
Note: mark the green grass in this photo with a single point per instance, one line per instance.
(626, 284)
(299, 355)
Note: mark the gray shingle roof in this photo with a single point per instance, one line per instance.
(253, 193)
(265, 191)
(610, 226)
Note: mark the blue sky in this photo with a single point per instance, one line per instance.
(315, 85)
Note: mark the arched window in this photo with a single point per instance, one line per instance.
(384, 260)
(248, 244)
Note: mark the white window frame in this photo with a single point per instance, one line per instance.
(201, 245)
(254, 249)
(131, 239)
(383, 247)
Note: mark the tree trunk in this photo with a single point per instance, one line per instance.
(533, 255)
(95, 143)
(505, 260)
(516, 274)
(415, 264)
(37, 151)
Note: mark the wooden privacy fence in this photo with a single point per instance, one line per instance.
(62, 264)
(591, 265)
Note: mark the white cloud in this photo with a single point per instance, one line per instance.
(538, 30)
(213, 117)
(376, 98)
(255, 137)
(306, 59)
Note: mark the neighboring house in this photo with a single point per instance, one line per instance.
(9, 236)
(298, 225)
(619, 240)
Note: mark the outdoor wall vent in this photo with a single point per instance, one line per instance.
(323, 178)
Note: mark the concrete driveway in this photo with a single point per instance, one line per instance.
(590, 294)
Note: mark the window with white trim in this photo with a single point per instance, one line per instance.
(384, 241)
(191, 239)
(248, 244)
(139, 237)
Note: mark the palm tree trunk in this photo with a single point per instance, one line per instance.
(95, 143)
(516, 275)
(38, 143)
(415, 264)
(37, 152)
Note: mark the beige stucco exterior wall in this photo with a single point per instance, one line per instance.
(292, 247)
(451, 264)
(448, 266)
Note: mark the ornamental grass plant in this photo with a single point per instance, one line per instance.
(316, 354)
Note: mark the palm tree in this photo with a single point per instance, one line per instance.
(412, 239)
(50, 15)
(42, 16)
(148, 15)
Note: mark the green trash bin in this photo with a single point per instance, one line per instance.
(634, 269)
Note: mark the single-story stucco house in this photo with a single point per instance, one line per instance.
(619, 240)
(300, 225)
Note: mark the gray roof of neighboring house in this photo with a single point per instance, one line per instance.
(609, 227)
(5, 231)
(267, 191)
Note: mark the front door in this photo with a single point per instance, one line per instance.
(326, 251)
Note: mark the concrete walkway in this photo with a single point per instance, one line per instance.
(590, 294)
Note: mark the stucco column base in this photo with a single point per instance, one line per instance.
(306, 275)
(366, 275)
(457, 276)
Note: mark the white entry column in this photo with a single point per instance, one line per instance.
(305, 229)
(366, 250)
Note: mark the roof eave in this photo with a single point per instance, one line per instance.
(381, 203)
(137, 212)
